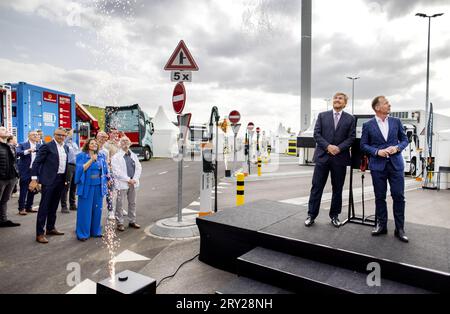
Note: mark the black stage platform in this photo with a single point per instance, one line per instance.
(268, 242)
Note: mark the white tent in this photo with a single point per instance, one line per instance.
(280, 142)
(165, 135)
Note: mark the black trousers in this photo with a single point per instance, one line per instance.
(51, 194)
(320, 177)
(26, 197)
(70, 188)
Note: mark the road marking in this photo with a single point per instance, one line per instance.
(164, 172)
(224, 183)
(87, 286)
(186, 166)
(194, 203)
(189, 211)
(96, 272)
(130, 256)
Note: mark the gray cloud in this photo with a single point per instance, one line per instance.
(399, 8)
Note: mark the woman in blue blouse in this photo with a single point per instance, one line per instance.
(91, 179)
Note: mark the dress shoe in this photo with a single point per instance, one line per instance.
(309, 221)
(400, 234)
(31, 210)
(41, 239)
(9, 223)
(121, 227)
(335, 222)
(73, 208)
(379, 230)
(65, 211)
(22, 212)
(54, 232)
(82, 239)
(134, 225)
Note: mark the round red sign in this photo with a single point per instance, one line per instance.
(250, 126)
(258, 130)
(234, 116)
(179, 98)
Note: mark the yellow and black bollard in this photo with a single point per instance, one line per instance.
(259, 166)
(240, 198)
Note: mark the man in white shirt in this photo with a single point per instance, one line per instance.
(50, 169)
(127, 171)
(26, 152)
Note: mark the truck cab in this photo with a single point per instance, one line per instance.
(135, 124)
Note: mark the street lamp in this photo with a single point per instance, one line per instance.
(353, 90)
(427, 97)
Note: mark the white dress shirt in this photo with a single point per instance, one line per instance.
(33, 154)
(384, 126)
(62, 158)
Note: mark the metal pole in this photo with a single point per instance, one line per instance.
(234, 154)
(215, 168)
(249, 152)
(306, 48)
(427, 98)
(353, 96)
(180, 175)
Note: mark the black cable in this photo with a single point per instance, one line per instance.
(179, 267)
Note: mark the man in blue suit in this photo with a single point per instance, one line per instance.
(27, 153)
(334, 134)
(383, 139)
(50, 169)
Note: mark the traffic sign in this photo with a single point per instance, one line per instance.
(183, 124)
(250, 126)
(258, 130)
(234, 116)
(235, 128)
(181, 76)
(181, 59)
(179, 98)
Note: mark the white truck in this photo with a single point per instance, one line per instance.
(414, 124)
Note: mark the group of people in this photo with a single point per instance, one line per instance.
(104, 166)
(383, 139)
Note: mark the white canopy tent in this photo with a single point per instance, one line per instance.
(165, 135)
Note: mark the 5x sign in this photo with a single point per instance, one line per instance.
(181, 76)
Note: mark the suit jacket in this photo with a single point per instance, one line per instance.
(46, 163)
(373, 140)
(24, 163)
(342, 137)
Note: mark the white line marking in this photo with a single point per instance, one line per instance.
(163, 173)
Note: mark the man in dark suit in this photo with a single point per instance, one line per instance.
(334, 134)
(50, 169)
(27, 153)
(383, 139)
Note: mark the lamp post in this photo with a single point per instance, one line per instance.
(353, 91)
(427, 97)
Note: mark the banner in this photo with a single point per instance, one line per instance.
(430, 131)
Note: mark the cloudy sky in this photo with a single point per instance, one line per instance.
(112, 52)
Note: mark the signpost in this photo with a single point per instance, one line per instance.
(250, 132)
(181, 63)
(234, 118)
(258, 130)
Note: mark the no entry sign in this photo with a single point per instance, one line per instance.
(179, 98)
(258, 130)
(234, 116)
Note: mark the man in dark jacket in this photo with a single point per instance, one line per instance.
(334, 133)
(50, 169)
(8, 177)
(27, 153)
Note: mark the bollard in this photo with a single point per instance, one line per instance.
(259, 166)
(240, 189)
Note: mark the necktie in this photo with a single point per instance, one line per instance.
(336, 119)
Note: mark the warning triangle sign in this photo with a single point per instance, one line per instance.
(181, 59)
